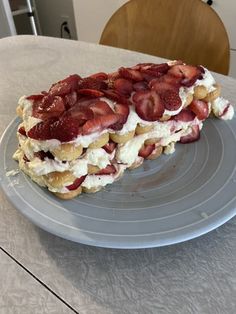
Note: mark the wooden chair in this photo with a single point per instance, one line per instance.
(189, 30)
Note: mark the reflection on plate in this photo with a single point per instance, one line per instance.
(172, 199)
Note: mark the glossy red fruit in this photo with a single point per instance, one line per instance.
(122, 111)
(113, 95)
(65, 86)
(100, 108)
(161, 87)
(99, 123)
(140, 86)
(123, 86)
(21, 130)
(76, 184)
(185, 115)
(38, 97)
(188, 73)
(110, 169)
(148, 105)
(65, 129)
(90, 92)
(146, 150)
(171, 99)
(109, 147)
(200, 108)
(91, 83)
(80, 113)
(100, 76)
(70, 99)
(42, 130)
(130, 74)
(49, 107)
(192, 137)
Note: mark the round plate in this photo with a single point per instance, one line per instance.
(165, 201)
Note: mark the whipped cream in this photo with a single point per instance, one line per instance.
(222, 108)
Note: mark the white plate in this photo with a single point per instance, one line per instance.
(168, 200)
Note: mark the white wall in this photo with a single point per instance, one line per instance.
(50, 14)
(91, 17)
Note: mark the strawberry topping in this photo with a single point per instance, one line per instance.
(76, 184)
(140, 86)
(130, 74)
(148, 105)
(65, 86)
(90, 92)
(185, 115)
(123, 86)
(171, 99)
(91, 83)
(200, 108)
(99, 123)
(110, 169)
(192, 137)
(188, 74)
(109, 147)
(22, 131)
(42, 130)
(49, 107)
(66, 129)
(146, 150)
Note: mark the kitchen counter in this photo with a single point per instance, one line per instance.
(42, 273)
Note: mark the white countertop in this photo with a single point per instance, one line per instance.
(42, 270)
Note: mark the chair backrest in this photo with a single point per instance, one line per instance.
(189, 30)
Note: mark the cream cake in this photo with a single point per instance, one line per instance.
(83, 133)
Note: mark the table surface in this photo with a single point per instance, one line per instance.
(42, 273)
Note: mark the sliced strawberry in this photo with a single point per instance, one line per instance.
(65, 86)
(109, 147)
(146, 150)
(50, 106)
(200, 108)
(155, 70)
(76, 184)
(80, 113)
(123, 86)
(185, 115)
(70, 99)
(130, 74)
(171, 99)
(101, 76)
(91, 83)
(21, 130)
(188, 73)
(65, 129)
(90, 92)
(192, 137)
(140, 86)
(42, 130)
(38, 97)
(122, 111)
(113, 95)
(148, 105)
(100, 108)
(161, 87)
(99, 123)
(110, 169)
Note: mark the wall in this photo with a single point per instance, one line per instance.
(7, 27)
(50, 14)
(91, 17)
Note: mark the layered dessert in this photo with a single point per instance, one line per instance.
(83, 133)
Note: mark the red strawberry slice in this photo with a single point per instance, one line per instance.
(109, 147)
(113, 95)
(101, 76)
(38, 97)
(91, 83)
(171, 99)
(42, 130)
(76, 184)
(80, 113)
(200, 108)
(110, 169)
(155, 70)
(100, 108)
(65, 86)
(70, 99)
(188, 73)
(49, 107)
(192, 137)
(148, 105)
(130, 74)
(146, 150)
(161, 87)
(21, 130)
(185, 115)
(65, 129)
(122, 111)
(90, 92)
(140, 86)
(123, 86)
(99, 123)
